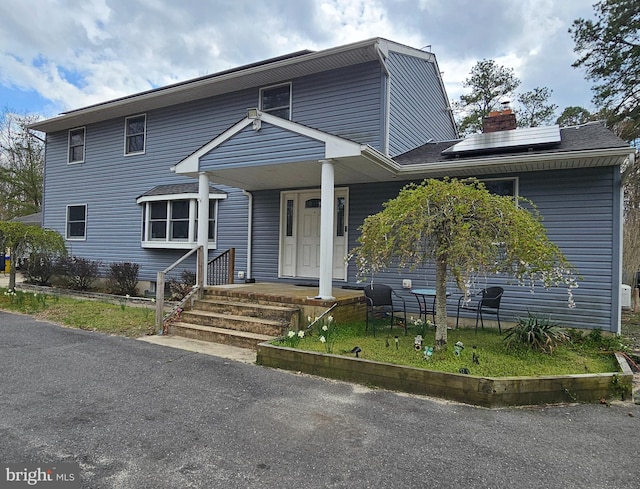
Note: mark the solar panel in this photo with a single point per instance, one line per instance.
(506, 140)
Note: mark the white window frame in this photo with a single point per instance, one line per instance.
(127, 135)
(268, 111)
(66, 224)
(84, 145)
(181, 243)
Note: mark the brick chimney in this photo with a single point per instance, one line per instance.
(500, 120)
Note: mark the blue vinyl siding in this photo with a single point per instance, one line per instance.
(269, 145)
(343, 102)
(418, 107)
(578, 211)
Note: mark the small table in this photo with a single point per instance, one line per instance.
(421, 297)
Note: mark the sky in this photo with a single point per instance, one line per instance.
(58, 55)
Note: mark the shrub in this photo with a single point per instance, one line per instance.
(79, 273)
(123, 278)
(39, 268)
(180, 288)
(535, 333)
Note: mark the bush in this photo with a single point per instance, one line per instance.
(535, 333)
(123, 278)
(79, 273)
(39, 268)
(180, 288)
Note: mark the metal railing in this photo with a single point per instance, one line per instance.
(221, 270)
(160, 284)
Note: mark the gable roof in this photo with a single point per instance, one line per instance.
(259, 74)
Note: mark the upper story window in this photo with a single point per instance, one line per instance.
(276, 100)
(76, 145)
(170, 220)
(135, 134)
(76, 222)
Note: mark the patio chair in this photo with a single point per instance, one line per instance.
(487, 301)
(380, 303)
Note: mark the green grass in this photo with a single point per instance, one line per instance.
(585, 354)
(577, 357)
(122, 319)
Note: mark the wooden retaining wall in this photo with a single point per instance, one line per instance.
(481, 391)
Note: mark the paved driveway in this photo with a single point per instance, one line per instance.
(137, 415)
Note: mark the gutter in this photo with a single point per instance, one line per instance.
(249, 232)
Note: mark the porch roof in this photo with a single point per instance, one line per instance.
(253, 160)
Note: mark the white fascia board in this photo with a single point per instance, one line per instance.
(335, 147)
(512, 160)
(191, 164)
(156, 198)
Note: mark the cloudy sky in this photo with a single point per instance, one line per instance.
(57, 55)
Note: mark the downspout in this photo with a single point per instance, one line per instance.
(386, 99)
(249, 233)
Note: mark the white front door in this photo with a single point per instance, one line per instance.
(300, 234)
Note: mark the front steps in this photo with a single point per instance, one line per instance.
(235, 320)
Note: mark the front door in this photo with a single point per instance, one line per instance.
(300, 234)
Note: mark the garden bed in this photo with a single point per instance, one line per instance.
(482, 391)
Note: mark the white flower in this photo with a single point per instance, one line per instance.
(330, 319)
(324, 328)
(309, 319)
(153, 300)
(323, 339)
(127, 296)
(300, 334)
(291, 334)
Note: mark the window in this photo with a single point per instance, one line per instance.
(171, 221)
(502, 186)
(76, 145)
(276, 100)
(77, 222)
(135, 129)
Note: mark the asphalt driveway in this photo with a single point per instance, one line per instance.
(138, 415)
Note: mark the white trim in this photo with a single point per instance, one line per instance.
(516, 183)
(155, 198)
(84, 145)
(66, 223)
(174, 245)
(144, 134)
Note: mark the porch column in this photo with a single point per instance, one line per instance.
(326, 230)
(203, 222)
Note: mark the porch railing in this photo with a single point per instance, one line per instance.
(160, 284)
(221, 270)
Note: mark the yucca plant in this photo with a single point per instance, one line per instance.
(535, 333)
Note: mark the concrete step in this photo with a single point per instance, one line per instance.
(249, 324)
(236, 308)
(240, 339)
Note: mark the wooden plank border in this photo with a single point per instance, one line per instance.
(481, 391)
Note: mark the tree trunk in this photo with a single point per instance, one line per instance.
(12, 272)
(441, 303)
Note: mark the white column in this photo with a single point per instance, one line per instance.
(203, 220)
(326, 230)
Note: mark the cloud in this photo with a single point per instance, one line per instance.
(76, 53)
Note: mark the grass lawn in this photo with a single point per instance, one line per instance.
(122, 319)
(581, 355)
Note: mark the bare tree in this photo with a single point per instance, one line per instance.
(21, 166)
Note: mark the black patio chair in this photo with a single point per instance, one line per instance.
(487, 301)
(379, 299)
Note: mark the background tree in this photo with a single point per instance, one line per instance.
(464, 230)
(490, 83)
(21, 167)
(609, 51)
(573, 116)
(534, 108)
(21, 238)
